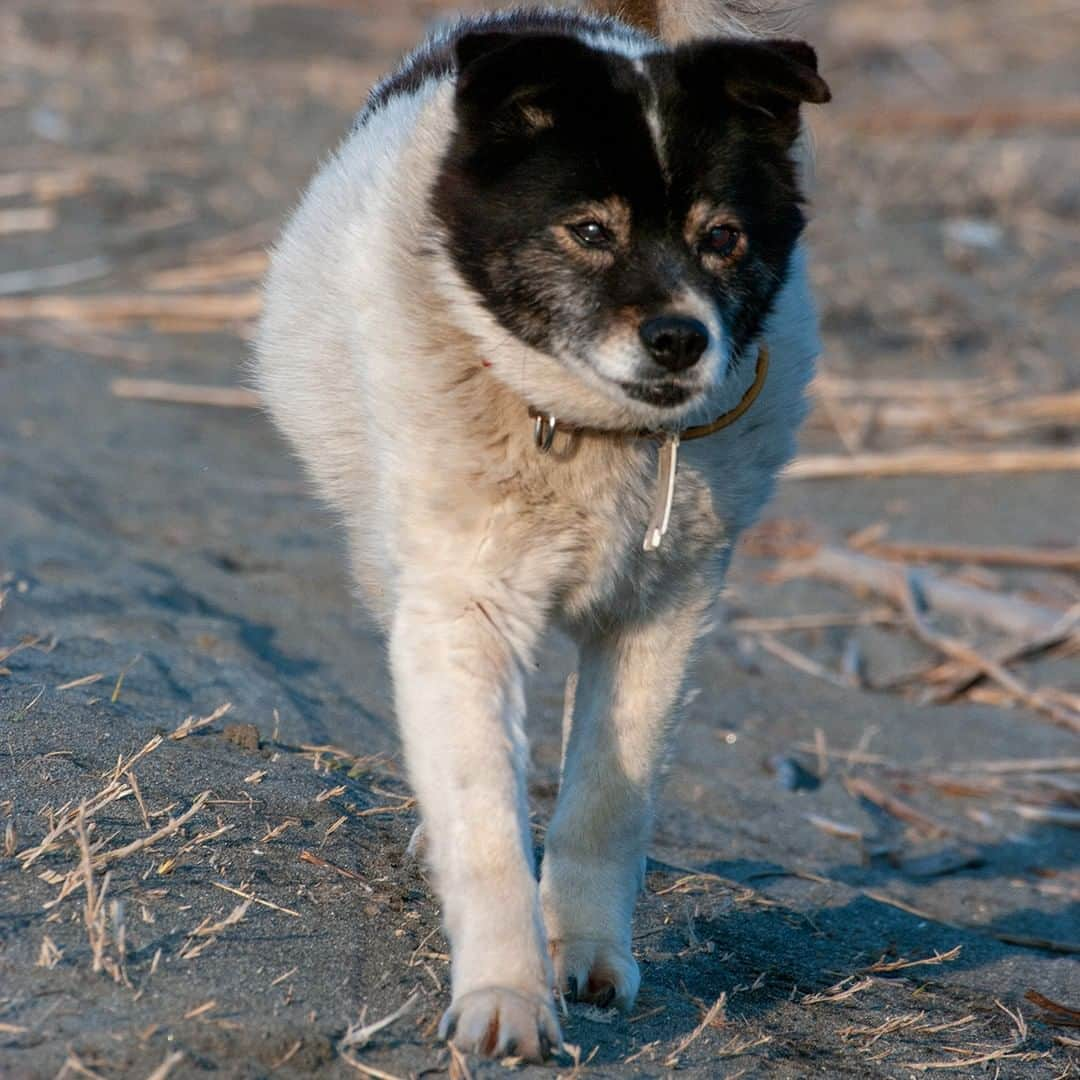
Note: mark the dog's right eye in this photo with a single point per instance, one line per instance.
(591, 234)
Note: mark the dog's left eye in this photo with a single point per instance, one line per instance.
(721, 240)
(591, 234)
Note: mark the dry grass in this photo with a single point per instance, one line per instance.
(936, 461)
(209, 930)
(256, 900)
(368, 1070)
(171, 393)
(715, 1017)
(192, 723)
(167, 1066)
(351, 875)
(884, 965)
(846, 988)
(196, 313)
(358, 1035)
(861, 788)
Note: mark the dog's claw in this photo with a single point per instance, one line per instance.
(601, 973)
(497, 1022)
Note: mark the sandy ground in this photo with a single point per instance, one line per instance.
(170, 559)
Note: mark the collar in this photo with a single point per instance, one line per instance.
(545, 424)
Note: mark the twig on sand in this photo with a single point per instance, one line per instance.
(978, 410)
(459, 1066)
(173, 393)
(167, 1066)
(287, 1056)
(889, 1026)
(208, 930)
(903, 905)
(317, 860)
(1065, 948)
(956, 677)
(72, 1064)
(26, 219)
(1048, 815)
(1006, 1052)
(949, 1025)
(800, 661)
(958, 650)
(715, 1017)
(359, 1035)
(255, 900)
(129, 775)
(933, 461)
(196, 311)
(79, 339)
(192, 724)
(1038, 558)
(893, 581)
(29, 641)
(1020, 765)
(52, 277)
(243, 266)
(741, 889)
(368, 1070)
(373, 811)
(841, 991)
(1056, 1013)
(901, 389)
(86, 680)
(69, 819)
(825, 620)
(884, 965)
(101, 859)
(983, 119)
(861, 788)
(94, 909)
(172, 826)
(114, 697)
(854, 756)
(835, 828)
(125, 766)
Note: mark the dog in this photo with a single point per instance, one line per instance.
(540, 332)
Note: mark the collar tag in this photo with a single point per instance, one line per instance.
(667, 463)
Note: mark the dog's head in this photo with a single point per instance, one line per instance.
(632, 218)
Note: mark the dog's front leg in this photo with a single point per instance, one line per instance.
(628, 682)
(460, 700)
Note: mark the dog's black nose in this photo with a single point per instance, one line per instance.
(675, 342)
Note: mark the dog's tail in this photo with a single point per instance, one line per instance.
(681, 20)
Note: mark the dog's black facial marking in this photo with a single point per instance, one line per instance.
(692, 145)
(731, 116)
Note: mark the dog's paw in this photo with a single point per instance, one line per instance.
(601, 973)
(497, 1022)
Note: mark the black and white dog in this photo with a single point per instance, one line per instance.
(540, 331)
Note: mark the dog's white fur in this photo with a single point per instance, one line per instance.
(466, 543)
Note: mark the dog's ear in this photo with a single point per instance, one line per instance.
(505, 76)
(772, 76)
